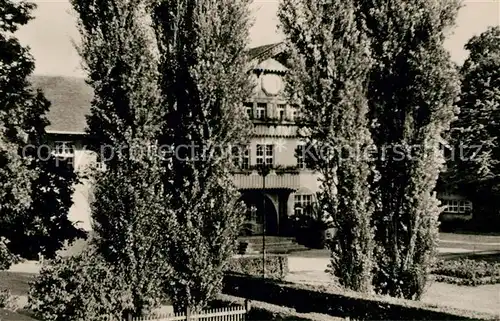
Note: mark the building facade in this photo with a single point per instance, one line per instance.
(288, 189)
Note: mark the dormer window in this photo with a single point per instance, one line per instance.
(249, 110)
(281, 111)
(301, 159)
(261, 111)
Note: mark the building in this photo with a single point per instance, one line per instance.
(289, 188)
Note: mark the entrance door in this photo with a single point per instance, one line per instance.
(255, 214)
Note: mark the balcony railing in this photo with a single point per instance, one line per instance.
(277, 179)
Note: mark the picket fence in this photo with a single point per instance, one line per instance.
(223, 314)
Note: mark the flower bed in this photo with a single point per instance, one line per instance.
(466, 272)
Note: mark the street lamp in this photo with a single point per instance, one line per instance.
(264, 170)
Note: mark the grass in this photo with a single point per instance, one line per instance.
(16, 282)
(6, 315)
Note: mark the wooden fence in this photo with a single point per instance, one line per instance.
(223, 314)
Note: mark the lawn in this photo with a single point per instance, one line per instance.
(6, 315)
(16, 282)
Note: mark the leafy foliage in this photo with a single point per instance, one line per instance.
(6, 256)
(35, 196)
(309, 229)
(475, 166)
(8, 301)
(412, 88)
(331, 64)
(203, 64)
(15, 65)
(123, 129)
(82, 287)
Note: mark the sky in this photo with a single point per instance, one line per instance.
(52, 34)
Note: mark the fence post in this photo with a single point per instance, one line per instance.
(247, 305)
(129, 317)
(188, 313)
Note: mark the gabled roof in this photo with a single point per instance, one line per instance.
(259, 54)
(70, 99)
(262, 52)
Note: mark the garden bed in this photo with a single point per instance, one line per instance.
(338, 303)
(466, 272)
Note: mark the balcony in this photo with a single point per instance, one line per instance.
(281, 179)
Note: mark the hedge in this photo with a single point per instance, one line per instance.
(307, 299)
(276, 265)
(261, 311)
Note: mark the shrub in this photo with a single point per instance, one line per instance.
(7, 301)
(276, 266)
(6, 256)
(78, 288)
(309, 229)
(345, 304)
(466, 272)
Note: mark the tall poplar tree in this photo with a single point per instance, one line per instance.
(413, 86)
(329, 67)
(119, 50)
(204, 82)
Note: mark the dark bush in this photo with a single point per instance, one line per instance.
(346, 304)
(309, 230)
(276, 265)
(242, 248)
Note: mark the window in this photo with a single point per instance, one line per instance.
(301, 157)
(100, 165)
(265, 154)
(249, 109)
(281, 111)
(303, 204)
(65, 154)
(457, 206)
(241, 157)
(63, 148)
(295, 113)
(261, 111)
